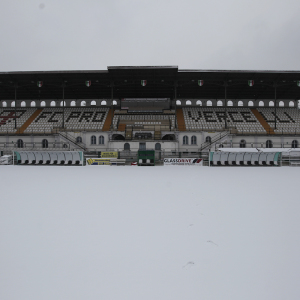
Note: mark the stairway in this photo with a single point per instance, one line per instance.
(180, 119)
(107, 123)
(128, 133)
(30, 120)
(68, 138)
(262, 121)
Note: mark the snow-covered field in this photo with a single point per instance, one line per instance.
(145, 233)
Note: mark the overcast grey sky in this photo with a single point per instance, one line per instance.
(91, 35)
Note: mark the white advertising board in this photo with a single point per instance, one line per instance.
(183, 161)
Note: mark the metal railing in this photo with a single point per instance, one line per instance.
(253, 145)
(34, 146)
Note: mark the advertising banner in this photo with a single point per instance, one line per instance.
(183, 161)
(97, 162)
(109, 154)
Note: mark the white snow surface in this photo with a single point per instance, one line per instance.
(145, 233)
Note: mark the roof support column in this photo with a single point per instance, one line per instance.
(225, 102)
(63, 123)
(112, 100)
(16, 86)
(275, 104)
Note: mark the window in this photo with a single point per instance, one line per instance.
(250, 103)
(208, 103)
(243, 144)
(229, 103)
(65, 145)
(188, 102)
(294, 144)
(194, 140)
(63, 103)
(82, 103)
(126, 146)
(20, 143)
(178, 102)
(101, 140)
(240, 103)
(79, 139)
(208, 139)
(199, 102)
(269, 144)
(52, 103)
(93, 102)
(4, 104)
(115, 102)
(73, 103)
(93, 140)
(103, 102)
(219, 103)
(43, 104)
(291, 104)
(23, 104)
(12, 104)
(185, 140)
(44, 143)
(33, 104)
(271, 103)
(158, 146)
(261, 103)
(281, 103)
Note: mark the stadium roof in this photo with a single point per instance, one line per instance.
(161, 83)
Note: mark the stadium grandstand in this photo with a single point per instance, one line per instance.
(172, 111)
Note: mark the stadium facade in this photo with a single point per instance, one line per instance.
(163, 108)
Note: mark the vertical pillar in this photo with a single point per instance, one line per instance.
(16, 106)
(275, 105)
(63, 123)
(225, 103)
(112, 107)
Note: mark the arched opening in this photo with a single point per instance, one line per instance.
(242, 144)
(73, 103)
(93, 140)
(178, 102)
(23, 104)
(194, 140)
(52, 103)
(291, 104)
(20, 143)
(93, 102)
(185, 140)
(43, 104)
(101, 140)
(44, 143)
(208, 103)
(250, 103)
(219, 103)
(118, 137)
(79, 139)
(115, 102)
(83, 103)
(199, 102)
(294, 144)
(63, 103)
(269, 144)
(281, 104)
(65, 145)
(33, 104)
(208, 139)
(127, 146)
(168, 137)
(103, 102)
(271, 103)
(240, 103)
(158, 146)
(12, 104)
(4, 104)
(188, 102)
(261, 103)
(229, 103)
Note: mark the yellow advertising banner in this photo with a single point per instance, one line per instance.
(97, 161)
(109, 154)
